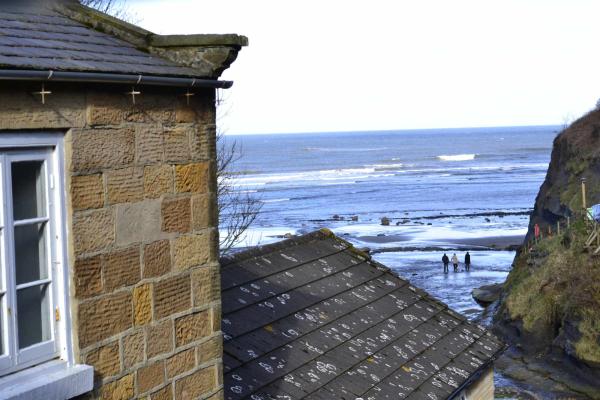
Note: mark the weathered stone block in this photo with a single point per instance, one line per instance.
(215, 312)
(87, 191)
(210, 350)
(97, 149)
(93, 230)
(176, 215)
(133, 349)
(104, 115)
(153, 108)
(142, 304)
(196, 384)
(181, 362)
(165, 393)
(121, 389)
(206, 285)
(88, 276)
(106, 109)
(192, 178)
(122, 268)
(105, 361)
(177, 145)
(203, 211)
(158, 180)
(150, 376)
(192, 327)
(102, 318)
(172, 295)
(191, 250)
(217, 396)
(125, 185)
(149, 144)
(157, 258)
(185, 114)
(202, 142)
(160, 338)
(19, 109)
(138, 222)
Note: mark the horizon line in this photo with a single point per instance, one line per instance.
(394, 130)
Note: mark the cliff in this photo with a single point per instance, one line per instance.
(550, 307)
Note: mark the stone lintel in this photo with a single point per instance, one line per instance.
(198, 40)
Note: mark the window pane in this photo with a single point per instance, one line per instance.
(28, 190)
(33, 315)
(30, 253)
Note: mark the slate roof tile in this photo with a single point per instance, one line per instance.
(51, 41)
(312, 318)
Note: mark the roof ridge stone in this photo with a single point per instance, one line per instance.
(210, 54)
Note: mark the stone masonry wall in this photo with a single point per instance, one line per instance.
(140, 194)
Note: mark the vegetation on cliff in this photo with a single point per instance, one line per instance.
(556, 287)
(552, 295)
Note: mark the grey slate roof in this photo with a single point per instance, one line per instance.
(43, 39)
(313, 318)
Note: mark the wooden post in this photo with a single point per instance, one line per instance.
(558, 228)
(583, 199)
(568, 222)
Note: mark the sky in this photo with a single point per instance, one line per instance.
(346, 65)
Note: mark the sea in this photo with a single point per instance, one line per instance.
(441, 190)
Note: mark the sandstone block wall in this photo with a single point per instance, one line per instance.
(141, 205)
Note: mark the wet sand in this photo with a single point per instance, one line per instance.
(493, 242)
(481, 243)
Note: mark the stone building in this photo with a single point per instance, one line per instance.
(109, 273)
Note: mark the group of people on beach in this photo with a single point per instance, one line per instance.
(454, 260)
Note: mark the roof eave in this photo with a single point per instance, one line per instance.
(477, 374)
(108, 78)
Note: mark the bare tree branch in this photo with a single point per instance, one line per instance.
(237, 210)
(116, 8)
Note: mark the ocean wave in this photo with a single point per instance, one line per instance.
(346, 176)
(541, 167)
(386, 167)
(320, 177)
(275, 200)
(457, 157)
(342, 149)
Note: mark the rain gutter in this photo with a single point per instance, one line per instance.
(95, 77)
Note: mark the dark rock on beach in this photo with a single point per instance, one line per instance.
(487, 294)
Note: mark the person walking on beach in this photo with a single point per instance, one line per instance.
(455, 262)
(467, 262)
(445, 260)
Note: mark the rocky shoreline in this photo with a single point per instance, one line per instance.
(539, 374)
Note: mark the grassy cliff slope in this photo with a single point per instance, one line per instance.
(551, 302)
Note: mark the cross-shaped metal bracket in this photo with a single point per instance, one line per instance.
(43, 93)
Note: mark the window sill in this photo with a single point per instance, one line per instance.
(51, 380)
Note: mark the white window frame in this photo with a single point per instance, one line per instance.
(46, 147)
